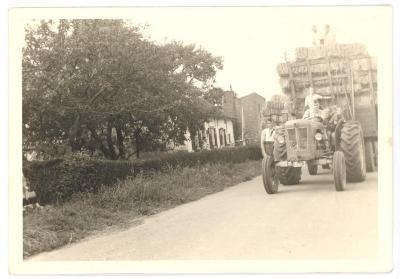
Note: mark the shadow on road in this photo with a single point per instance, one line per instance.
(307, 187)
(320, 182)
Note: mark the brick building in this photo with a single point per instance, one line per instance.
(246, 114)
(249, 117)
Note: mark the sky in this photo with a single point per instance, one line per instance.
(253, 40)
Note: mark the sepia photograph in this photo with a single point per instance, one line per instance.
(201, 139)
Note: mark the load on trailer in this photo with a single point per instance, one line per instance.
(278, 110)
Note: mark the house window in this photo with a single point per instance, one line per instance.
(222, 137)
(210, 138)
(229, 138)
(215, 137)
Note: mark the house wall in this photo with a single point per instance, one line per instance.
(229, 104)
(243, 112)
(186, 146)
(251, 106)
(217, 129)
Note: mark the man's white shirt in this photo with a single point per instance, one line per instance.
(267, 135)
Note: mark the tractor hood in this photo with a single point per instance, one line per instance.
(303, 123)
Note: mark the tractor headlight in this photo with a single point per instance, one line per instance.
(318, 136)
(280, 139)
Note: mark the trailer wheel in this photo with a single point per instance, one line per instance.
(289, 175)
(312, 168)
(270, 178)
(375, 144)
(352, 145)
(370, 155)
(339, 170)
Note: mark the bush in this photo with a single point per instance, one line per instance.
(56, 181)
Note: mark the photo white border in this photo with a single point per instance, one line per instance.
(15, 231)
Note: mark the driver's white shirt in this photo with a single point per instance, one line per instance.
(313, 106)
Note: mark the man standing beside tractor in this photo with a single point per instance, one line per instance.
(267, 139)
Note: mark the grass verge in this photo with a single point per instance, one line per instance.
(55, 226)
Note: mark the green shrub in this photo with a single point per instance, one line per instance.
(57, 180)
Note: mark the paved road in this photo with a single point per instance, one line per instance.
(307, 221)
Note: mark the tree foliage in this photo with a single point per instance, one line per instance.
(100, 86)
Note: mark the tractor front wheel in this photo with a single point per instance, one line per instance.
(270, 178)
(339, 170)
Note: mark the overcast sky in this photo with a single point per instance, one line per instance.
(252, 41)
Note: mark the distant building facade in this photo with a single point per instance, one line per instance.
(249, 117)
(240, 123)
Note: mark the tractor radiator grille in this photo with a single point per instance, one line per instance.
(302, 132)
(292, 138)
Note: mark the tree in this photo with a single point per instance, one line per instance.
(98, 85)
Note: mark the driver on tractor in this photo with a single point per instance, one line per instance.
(313, 107)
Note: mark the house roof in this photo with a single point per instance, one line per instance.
(251, 95)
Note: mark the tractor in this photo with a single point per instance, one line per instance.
(343, 77)
(337, 145)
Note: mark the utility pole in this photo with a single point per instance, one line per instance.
(243, 140)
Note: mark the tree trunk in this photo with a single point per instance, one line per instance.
(99, 142)
(137, 142)
(120, 141)
(110, 142)
(73, 133)
(193, 138)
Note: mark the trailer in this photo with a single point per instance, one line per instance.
(346, 75)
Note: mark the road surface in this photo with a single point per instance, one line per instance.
(306, 221)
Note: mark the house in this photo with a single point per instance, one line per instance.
(249, 117)
(239, 123)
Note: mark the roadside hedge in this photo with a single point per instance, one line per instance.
(55, 181)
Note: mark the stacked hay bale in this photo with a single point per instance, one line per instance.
(333, 70)
(278, 110)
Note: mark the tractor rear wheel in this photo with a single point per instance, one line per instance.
(352, 145)
(270, 179)
(339, 170)
(280, 153)
(312, 168)
(289, 175)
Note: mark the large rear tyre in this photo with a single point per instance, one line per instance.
(270, 179)
(339, 170)
(352, 145)
(289, 175)
(280, 153)
(312, 168)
